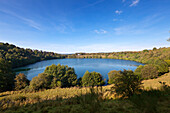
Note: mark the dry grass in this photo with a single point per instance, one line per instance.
(154, 83)
(20, 98)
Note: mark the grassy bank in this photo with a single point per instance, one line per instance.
(88, 100)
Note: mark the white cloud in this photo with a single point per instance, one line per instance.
(101, 31)
(134, 3)
(27, 21)
(118, 11)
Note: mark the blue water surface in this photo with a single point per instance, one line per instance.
(102, 66)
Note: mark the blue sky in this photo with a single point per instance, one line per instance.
(69, 26)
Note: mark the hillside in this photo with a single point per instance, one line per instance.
(21, 57)
(140, 56)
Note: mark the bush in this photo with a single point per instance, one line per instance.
(149, 71)
(21, 81)
(112, 75)
(126, 83)
(92, 79)
(138, 70)
(54, 76)
(168, 62)
(42, 81)
(162, 66)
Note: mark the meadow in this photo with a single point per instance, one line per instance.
(153, 98)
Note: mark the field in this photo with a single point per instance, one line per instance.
(77, 99)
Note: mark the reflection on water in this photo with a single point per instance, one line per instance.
(102, 66)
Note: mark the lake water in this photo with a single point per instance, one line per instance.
(102, 66)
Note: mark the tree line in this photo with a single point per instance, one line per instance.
(19, 57)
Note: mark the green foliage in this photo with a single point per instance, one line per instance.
(154, 48)
(138, 70)
(168, 62)
(66, 75)
(42, 81)
(21, 57)
(21, 81)
(54, 76)
(127, 83)
(154, 68)
(149, 71)
(145, 50)
(161, 65)
(6, 76)
(92, 79)
(79, 82)
(112, 75)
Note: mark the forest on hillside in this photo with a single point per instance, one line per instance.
(19, 57)
(145, 56)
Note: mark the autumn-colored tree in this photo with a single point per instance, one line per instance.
(21, 81)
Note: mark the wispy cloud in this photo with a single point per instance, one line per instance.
(117, 20)
(92, 4)
(27, 21)
(128, 29)
(145, 25)
(64, 28)
(101, 31)
(134, 3)
(123, 0)
(118, 11)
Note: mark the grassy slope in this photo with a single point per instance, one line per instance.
(71, 100)
(154, 83)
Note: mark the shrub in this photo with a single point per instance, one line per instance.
(112, 75)
(168, 62)
(162, 66)
(138, 70)
(21, 81)
(149, 71)
(127, 83)
(92, 79)
(42, 81)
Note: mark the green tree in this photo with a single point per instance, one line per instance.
(6, 76)
(127, 83)
(154, 48)
(138, 70)
(92, 79)
(161, 65)
(112, 75)
(66, 75)
(21, 81)
(149, 71)
(42, 81)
